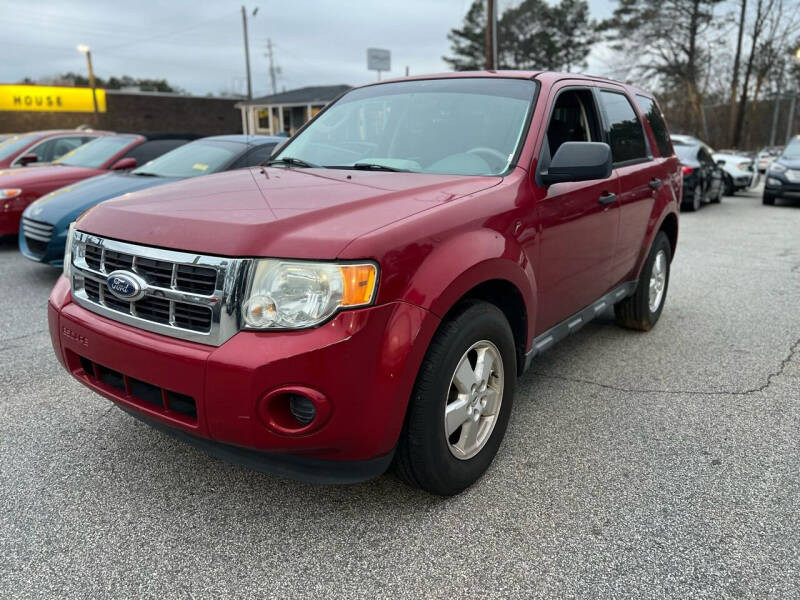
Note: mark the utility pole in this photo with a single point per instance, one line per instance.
(491, 35)
(790, 122)
(776, 108)
(247, 52)
(272, 69)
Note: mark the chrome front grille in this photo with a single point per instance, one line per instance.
(189, 296)
(37, 234)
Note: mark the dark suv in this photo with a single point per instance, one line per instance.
(370, 295)
(783, 176)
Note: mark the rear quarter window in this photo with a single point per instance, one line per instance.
(656, 121)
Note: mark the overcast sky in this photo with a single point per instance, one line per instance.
(198, 46)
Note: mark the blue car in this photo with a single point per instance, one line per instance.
(45, 223)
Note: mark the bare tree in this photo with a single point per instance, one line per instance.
(772, 24)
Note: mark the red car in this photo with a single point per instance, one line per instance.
(371, 294)
(42, 146)
(21, 186)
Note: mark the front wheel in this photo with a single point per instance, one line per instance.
(642, 310)
(461, 403)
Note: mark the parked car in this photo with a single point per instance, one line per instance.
(46, 221)
(42, 146)
(370, 296)
(702, 177)
(783, 177)
(737, 171)
(766, 156)
(19, 187)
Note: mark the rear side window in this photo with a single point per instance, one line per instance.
(147, 151)
(625, 131)
(657, 124)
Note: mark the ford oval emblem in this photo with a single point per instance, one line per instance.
(126, 286)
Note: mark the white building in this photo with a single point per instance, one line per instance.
(287, 111)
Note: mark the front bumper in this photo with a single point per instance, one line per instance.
(363, 363)
(51, 253)
(785, 189)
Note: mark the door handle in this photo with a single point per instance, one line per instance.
(655, 183)
(607, 198)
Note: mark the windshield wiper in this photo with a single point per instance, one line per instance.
(144, 174)
(292, 162)
(362, 166)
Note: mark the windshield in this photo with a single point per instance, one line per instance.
(16, 143)
(792, 150)
(470, 126)
(197, 158)
(96, 152)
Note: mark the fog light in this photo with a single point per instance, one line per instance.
(302, 409)
(773, 182)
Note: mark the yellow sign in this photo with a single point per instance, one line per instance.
(50, 98)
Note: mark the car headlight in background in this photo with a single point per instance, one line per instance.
(9, 193)
(773, 182)
(777, 168)
(295, 295)
(68, 251)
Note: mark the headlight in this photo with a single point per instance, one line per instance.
(777, 168)
(68, 251)
(8, 193)
(773, 182)
(295, 295)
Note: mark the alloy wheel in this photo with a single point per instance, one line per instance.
(473, 400)
(658, 281)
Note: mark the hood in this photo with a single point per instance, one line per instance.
(297, 213)
(789, 163)
(65, 204)
(53, 174)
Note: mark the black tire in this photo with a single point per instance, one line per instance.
(768, 199)
(695, 201)
(729, 189)
(634, 311)
(423, 456)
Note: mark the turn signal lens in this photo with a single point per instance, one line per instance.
(358, 284)
(8, 193)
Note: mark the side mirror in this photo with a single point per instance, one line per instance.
(124, 163)
(27, 159)
(579, 161)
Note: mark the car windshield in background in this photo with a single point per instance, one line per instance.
(197, 158)
(470, 126)
(15, 144)
(96, 152)
(685, 151)
(792, 150)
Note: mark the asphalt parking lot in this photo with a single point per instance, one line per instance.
(664, 464)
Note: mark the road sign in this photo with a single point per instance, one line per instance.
(379, 59)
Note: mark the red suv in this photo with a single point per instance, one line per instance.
(370, 295)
